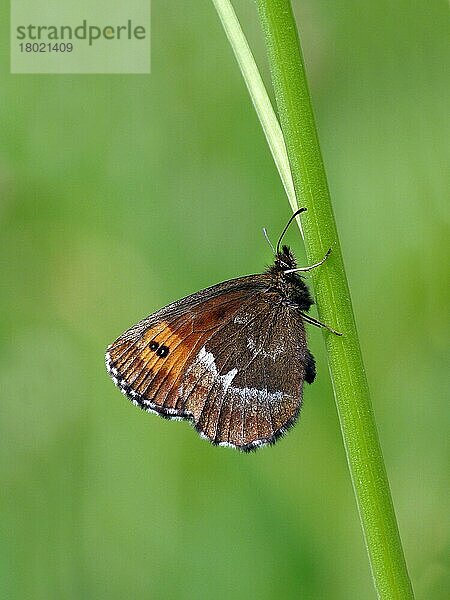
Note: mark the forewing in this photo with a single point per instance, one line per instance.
(149, 360)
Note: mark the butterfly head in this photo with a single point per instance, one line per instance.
(285, 259)
(289, 284)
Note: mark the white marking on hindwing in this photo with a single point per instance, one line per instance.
(205, 362)
(272, 353)
(242, 319)
(250, 395)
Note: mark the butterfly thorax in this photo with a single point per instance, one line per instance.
(290, 286)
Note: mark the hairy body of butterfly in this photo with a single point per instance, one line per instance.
(231, 359)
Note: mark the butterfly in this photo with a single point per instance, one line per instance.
(232, 358)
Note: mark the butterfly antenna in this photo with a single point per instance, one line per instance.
(268, 240)
(297, 212)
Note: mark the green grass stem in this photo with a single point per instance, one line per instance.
(332, 294)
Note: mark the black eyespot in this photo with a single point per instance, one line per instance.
(153, 346)
(162, 351)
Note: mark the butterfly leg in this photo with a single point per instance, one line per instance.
(317, 323)
(310, 267)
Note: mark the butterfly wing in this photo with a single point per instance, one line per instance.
(230, 358)
(246, 389)
(147, 361)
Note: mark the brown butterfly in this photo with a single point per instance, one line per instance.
(231, 359)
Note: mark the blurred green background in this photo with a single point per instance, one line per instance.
(119, 194)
